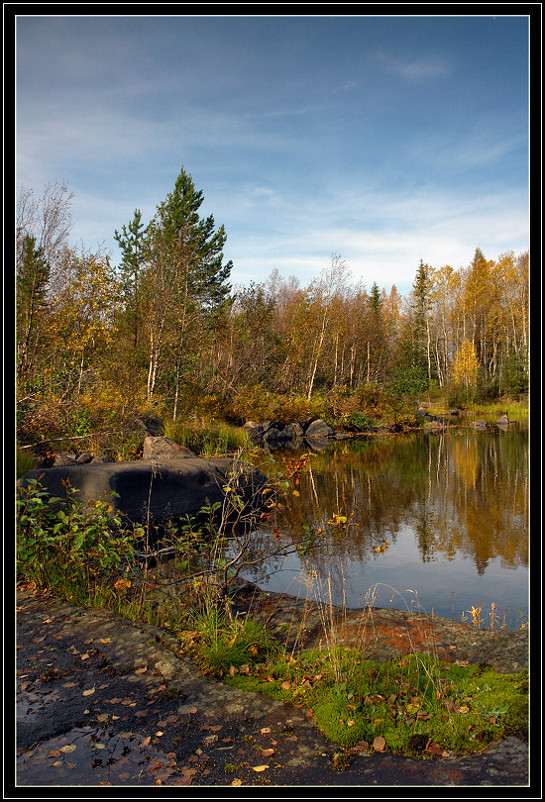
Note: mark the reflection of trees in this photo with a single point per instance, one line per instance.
(462, 493)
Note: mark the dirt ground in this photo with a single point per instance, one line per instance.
(103, 702)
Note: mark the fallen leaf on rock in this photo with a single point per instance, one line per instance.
(379, 743)
(260, 768)
(105, 640)
(146, 741)
(102, 717)
(267, 752)
(236, 783)
(88, 692)
(84, 656)
(159, 734)
(54, 753)
(141, 670)
(265, 730)
(57, 763)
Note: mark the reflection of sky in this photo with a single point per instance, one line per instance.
(399, 569)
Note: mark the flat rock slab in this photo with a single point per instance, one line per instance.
(103, 701)
(168, 488)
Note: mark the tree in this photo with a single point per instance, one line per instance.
(186, 259)
(32, 283)
(47, 218)
(421, 305)
(132, 241)
(83, 314)
(320, 297)
(466, 365)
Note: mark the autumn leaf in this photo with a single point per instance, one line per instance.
(236, 783)
(68, 748)
(379, 743)
(88, 692)
(141, 670)
(260, 768)
(267, 752)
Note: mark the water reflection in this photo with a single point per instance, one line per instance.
(455, 500)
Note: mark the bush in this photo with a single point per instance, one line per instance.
(62, 544)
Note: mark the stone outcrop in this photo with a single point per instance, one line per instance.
(272, 435)
(166, 488)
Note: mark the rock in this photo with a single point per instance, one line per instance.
(173, 488)
(480, 425)
(163, 448)
(294, 429)
(102, 458)
(454, 413)
(84, 458)
(319, 428)
(503, 422)
(64, 458)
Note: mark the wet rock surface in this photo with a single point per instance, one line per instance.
(103, 701)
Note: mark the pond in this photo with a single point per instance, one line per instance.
(435, 523)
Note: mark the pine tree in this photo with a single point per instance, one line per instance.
(132, 242)
(32, 283)
(186, 254)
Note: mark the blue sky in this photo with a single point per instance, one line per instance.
(382, 139)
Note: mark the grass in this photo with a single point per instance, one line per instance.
(211, 439)
(412, 702)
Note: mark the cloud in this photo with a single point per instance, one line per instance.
(382, 236)
(414, 70)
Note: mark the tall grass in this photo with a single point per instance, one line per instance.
(211, 439)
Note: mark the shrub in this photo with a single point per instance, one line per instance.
(62, 544)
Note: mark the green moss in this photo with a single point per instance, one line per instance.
(413, 702)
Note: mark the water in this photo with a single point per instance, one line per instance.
(435, 522)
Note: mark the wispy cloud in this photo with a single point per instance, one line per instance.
(414, 70)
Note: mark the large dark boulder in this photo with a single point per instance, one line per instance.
(170, 488)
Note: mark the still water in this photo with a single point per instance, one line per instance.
(436, 522)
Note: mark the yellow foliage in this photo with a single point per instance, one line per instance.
(466, 365)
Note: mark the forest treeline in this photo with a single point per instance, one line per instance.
(159, 326)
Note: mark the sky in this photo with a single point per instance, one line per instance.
(382, 140)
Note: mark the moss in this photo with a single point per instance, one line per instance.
(419, 705)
